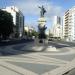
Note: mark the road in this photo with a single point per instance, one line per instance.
(17, 59)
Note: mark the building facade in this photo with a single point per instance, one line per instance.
(69, 25)
(18, 20)
(57, 27)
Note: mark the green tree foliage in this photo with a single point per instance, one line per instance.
(50, 35)
(34, 33)
(6, 24)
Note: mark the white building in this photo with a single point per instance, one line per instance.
(18, 20)
(69, 24)
(28, 31)
(57, 27)
(29, 28)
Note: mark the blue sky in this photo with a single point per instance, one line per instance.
(31, 11)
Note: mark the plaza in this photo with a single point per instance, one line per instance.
(17, 59)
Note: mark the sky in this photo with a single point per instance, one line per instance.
(31, 11)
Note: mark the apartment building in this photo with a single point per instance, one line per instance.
(57, 27)
(69, 25)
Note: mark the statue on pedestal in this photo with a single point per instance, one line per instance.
(42, 21)
(42, 12)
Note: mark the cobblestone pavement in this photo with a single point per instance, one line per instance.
(16, 60)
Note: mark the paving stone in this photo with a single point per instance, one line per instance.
(37, 68)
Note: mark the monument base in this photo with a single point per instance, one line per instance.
(38, 47)
(41, 42)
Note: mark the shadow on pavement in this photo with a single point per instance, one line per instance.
(16, 49)
(19, 44)
(14, 42)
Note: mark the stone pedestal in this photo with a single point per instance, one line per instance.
(38, 43)
(42, 22)
(42, 27)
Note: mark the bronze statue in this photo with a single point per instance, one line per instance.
(42, 12)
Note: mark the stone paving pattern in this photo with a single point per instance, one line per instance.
(16, 60)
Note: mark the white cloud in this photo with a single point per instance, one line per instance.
(30, 7)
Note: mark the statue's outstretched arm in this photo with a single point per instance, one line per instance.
(39, 7)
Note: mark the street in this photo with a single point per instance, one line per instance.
(16, 59)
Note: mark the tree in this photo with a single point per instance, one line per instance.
(34, 33)
(50, 35)
(6, 24)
